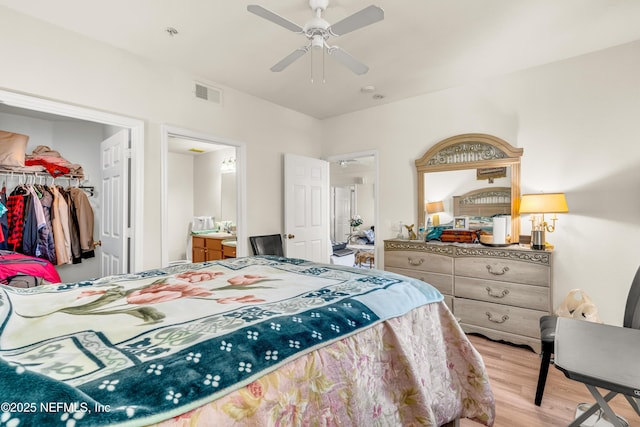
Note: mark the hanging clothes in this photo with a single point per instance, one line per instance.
(45, 233)
(48, 222)
(4, 220)
(15, 204)
(60, 227)
(84, 213)
(74, 229)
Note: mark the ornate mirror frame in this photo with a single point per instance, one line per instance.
(472, 151)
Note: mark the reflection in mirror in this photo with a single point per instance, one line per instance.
(200, 183)
(445, 185)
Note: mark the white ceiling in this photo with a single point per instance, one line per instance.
(421, 46)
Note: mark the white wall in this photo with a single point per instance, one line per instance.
(180, 193)
(53, 63)
(577, 121)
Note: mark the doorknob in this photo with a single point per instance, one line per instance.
(291, 236)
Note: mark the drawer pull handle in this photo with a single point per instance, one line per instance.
(502, 294)
(497, 273)
(503, 319)
(418, 262)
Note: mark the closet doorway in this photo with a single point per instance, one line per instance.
(77, 133)
(203, 178)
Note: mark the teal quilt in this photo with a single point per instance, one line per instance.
(136, 349)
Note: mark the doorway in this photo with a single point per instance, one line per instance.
(353, 192)
(202, 187)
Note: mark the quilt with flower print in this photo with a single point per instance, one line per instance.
(138, 349)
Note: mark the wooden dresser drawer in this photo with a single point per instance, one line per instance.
(415, 260)
(504, 270)
(442, 282)
(515, 320)
(525, 296)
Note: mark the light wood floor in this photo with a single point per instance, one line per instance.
(513, 373)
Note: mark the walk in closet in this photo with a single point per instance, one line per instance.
(77, 141)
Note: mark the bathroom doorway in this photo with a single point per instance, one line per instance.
(203, 189)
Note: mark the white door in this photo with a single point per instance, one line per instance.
(306, 210)
(342, 213)
(114, 206)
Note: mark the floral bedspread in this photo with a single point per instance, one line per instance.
(415, 370)
(140, 349)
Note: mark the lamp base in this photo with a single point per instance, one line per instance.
(538, 240)
(436, 220)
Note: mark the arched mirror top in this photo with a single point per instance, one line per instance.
(471, 151)
(465, 151)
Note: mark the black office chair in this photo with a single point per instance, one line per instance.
(267, 245)
(548, 332)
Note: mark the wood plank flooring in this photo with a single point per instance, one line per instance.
(513, 373)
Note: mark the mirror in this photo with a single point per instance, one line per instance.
(201, 182)
(462, 163)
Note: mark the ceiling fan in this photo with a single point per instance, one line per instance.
(318, 31)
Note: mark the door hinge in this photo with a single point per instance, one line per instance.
(128, 153)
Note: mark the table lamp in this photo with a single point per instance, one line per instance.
(538, 205)
(435, 208)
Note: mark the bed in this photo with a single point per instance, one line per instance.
(244, 342)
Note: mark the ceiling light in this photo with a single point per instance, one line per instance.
(196, 150)
(367, 89)
(378, 96)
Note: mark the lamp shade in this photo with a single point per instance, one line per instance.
(435, 207)
(543, 203)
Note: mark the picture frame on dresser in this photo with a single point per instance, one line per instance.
(460, 223)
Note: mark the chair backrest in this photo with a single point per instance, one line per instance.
(632, 309)
(267, 245)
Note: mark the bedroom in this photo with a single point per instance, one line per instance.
(574, 118)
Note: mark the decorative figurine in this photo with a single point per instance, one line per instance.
(410, 232)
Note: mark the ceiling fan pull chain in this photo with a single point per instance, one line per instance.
(311, 61)
(323, 79)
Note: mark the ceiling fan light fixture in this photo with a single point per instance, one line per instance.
(317, 41)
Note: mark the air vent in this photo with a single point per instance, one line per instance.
(208, 93)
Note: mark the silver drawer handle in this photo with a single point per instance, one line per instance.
(502, 294)
(412, 262)
(497, 273)
(501, 320)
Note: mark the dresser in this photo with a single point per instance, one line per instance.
(497, 292)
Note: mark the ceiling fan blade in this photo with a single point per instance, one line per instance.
(277, 19)
(367, 16)
(289, 59)
(347, 60)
